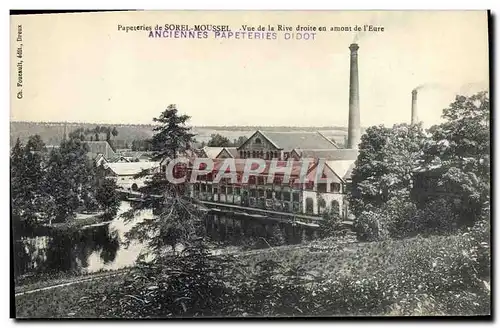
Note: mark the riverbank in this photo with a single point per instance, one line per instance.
(419, 276)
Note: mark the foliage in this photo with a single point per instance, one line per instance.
(238, 142)
(70, 178)
(29, 197)
(107, 196)
(217, 140)
(179, 222)
(172, 136)
(384, 167)
(459, 153)
(190, 284)
(49, 187)
(438, 275)
(331, 225)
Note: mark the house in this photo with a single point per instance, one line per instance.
(99, 147)
(125, 173)
(269, 145)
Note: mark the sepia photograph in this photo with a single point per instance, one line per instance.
(250, 164)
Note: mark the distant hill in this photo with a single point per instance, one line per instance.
(52, 132)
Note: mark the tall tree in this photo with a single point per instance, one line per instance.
(384, 167)
(178, 217)
(459, 149)
(107, 197)
(70, 178)
(172, 136)
(30, 202)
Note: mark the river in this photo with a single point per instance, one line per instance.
(104, 247)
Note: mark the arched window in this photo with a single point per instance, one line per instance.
(267, 155)
(134, 187)
(241, 153)
(258, 141)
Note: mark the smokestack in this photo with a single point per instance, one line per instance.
(414, 117)
(354, 129)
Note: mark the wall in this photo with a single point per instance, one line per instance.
(264, 146)
(126, 182)
(328, 197)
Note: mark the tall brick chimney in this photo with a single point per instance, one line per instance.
(354, 129)
(414, 116)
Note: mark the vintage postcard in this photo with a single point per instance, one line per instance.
(229, 164)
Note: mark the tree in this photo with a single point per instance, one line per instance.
(70, 178)
(385, 164)
(459, 150)
(29, 198)
(172, 136)
(217, 140)
(331, 225)
(114, 132)
(178, 216)
(107, 197)
(238, 142)
(382, 180)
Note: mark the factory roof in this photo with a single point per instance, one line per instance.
(130, 168)
(291, 140)
(328, 154)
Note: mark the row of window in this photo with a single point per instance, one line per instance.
(267, 155)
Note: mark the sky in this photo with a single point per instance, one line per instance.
(81, 68)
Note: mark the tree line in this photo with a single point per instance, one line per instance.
(52, 186)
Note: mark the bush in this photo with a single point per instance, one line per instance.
(331, 225)
(392, 220)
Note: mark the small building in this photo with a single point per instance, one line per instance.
(125, 173)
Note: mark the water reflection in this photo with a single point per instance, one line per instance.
(105, 247)
(89, 249)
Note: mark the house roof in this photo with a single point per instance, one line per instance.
(304, 140)
(342, 168)
(233, 151)
(212, 152)
(130, 168)
(99, 147)
(329, 154)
